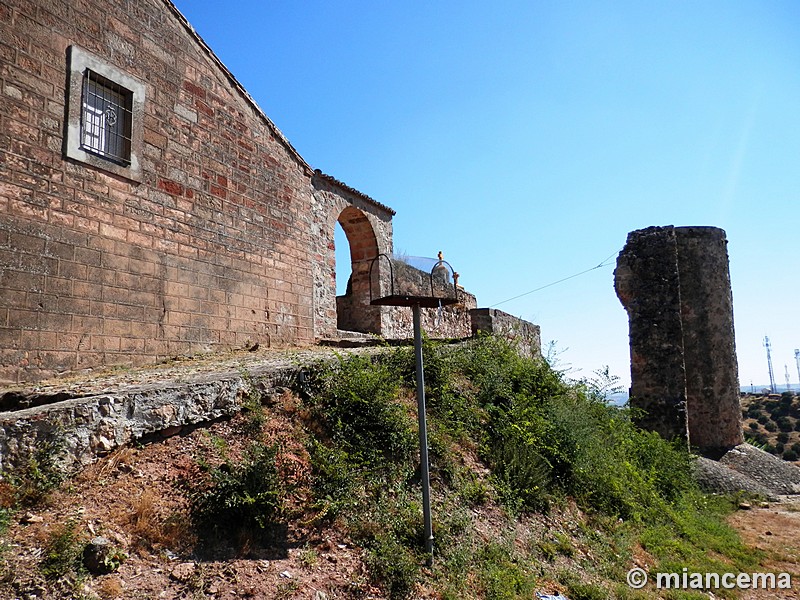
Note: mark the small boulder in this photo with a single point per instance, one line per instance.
(101, 557)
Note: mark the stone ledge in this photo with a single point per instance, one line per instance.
(97, 421)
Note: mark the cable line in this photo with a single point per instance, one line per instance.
(599, 266)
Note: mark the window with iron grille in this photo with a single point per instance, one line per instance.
(106, 118)
(104, 129)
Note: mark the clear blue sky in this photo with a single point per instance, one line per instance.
(526, 139)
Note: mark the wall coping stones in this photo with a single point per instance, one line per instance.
(119, 407)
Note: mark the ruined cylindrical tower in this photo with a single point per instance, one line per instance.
(674, 283)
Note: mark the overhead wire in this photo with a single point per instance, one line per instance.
(598, 266)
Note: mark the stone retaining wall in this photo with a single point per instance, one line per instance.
(95, 425)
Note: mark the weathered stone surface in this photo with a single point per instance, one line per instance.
(778, 476)
(216, 236)
(712, 375)
(525, 336)
(206, 247)
(717, 478)
(95, 425)
(674, 283)
(647, 284)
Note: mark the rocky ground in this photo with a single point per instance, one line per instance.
(775, 529)
(133, 499)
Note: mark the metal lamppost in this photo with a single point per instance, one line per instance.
(411, 286)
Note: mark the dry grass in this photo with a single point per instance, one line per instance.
(110, 587)
(151, 529)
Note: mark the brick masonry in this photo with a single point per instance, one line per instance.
(218, 236)
(674, 282)
(210, 251)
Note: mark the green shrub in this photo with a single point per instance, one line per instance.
(543, 436)
(771, 427)
(394, 566)
(333, 481)
(587, 591)
(32, 482)
(503, 576)
(356, 403)
(780, 411)
(236, 496)
(783, 437)
(63, 552)
(790, 455)
(784, 424)
(389, 525)
(763, 419)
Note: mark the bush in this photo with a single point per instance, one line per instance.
(763, 419)
(503, 575)
(63, 552)
(790, 455)
(393, 565)
(333, 481)
(771, 427)
(238, 496)
(785, 424)
(543, 435)
(780, 411)
(783, 437)
(31, 483)
(356, 404)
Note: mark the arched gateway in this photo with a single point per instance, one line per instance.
(367, 224)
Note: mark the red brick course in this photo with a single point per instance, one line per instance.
(212, 250)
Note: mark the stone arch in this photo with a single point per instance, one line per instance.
(367, 226)
(353, 309)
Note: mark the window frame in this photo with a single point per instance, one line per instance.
(80, 64)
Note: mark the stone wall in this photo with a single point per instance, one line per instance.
(368, 227)
(453, 322)
(674, 283)
(212, 234)
(207, 247)
(524, 335)
(95, 424)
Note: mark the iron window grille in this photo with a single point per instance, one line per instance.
(106, 118)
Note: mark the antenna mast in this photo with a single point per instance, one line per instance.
(769, 362)
(797, 360)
